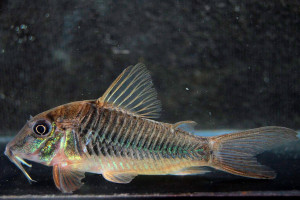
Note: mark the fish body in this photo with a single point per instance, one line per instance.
(116, 136)
(119, 141)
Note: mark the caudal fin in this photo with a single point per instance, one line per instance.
(235, 153)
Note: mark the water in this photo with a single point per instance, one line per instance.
(228, 66)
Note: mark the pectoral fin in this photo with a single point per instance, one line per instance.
(67, 180)
(119, 177)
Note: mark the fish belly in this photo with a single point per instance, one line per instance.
(142, 167)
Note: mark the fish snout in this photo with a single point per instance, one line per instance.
(8, 152)
(10, 149)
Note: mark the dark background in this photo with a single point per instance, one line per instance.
(224, 64)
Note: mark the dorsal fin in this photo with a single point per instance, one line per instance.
(132, 90)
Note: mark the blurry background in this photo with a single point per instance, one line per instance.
(225, 64)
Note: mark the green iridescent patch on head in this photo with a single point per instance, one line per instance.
(52, 142)
(37, 142)
(70, 146)
(48, 151)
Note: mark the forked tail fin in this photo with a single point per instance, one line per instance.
(235, 153)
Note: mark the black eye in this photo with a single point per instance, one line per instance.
(42, 127)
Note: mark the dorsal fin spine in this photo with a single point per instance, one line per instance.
(110, 88)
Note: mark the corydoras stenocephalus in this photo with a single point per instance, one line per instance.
(116, 136)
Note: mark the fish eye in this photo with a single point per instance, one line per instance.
(42, 127)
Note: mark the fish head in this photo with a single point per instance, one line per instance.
(37, 141)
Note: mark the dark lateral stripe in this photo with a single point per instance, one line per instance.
(113, 124)
(99, 124)
(131, 133)
(140, 126)
(126, 131)
(90, 149)
(104, 124)
(149, 136)
(116, 129)
(119, 134)
(134, 154)
(140, 155)
(162, 142)
(121, 130)
(86, 116)
(97, 120)
(139, 133)
(109, 125)
(185, 144)
(77, 144)
(123, 153)
(92, 118)
(102, 151)
(159, 134)
(151, 141)
(83, 121)
(144, 134)
(96, 149)
(156, 138)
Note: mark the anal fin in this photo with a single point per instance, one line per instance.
(192, 171)
(119, 177)
(66, 179)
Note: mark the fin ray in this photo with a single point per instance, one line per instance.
(133, 91)
(119, 177)
(67, 180)
(235, 153)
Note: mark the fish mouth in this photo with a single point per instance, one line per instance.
(18, 161)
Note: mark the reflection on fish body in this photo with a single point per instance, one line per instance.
(116, 137)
